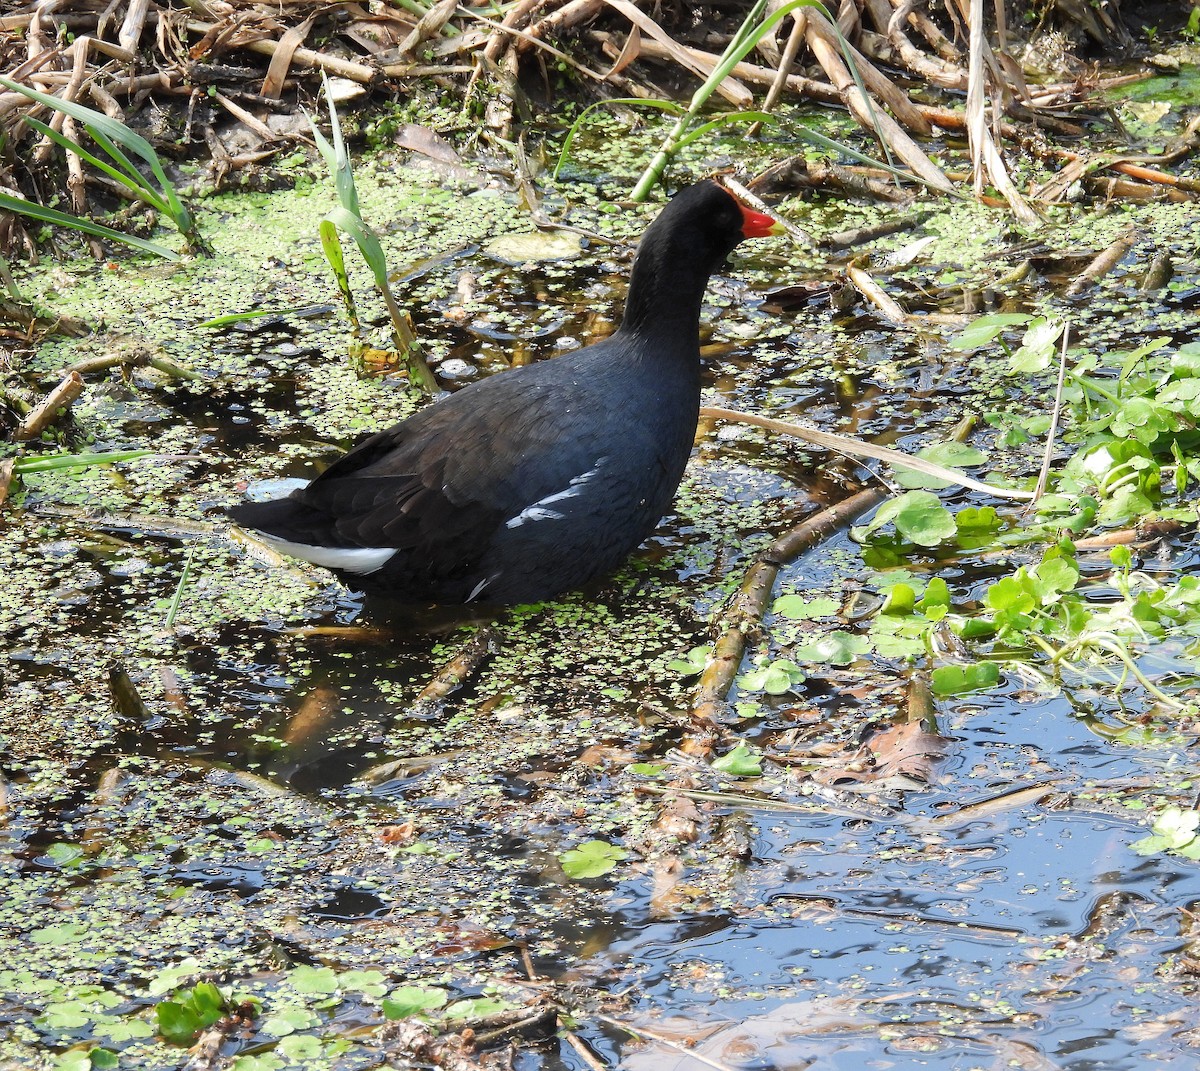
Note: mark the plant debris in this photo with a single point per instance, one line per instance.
(224, 79)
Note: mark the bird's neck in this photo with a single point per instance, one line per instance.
(665, 294)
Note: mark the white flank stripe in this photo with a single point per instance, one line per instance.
(478, 588)
(537, 511)
(361, 560)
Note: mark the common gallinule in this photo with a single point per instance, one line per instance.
(540, 479)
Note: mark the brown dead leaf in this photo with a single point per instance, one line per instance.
(908, 749)
(666, 872)
(379, 33)
(680, 818)
(423, 140)
(403, 834)
(905, 751)
(605, 755)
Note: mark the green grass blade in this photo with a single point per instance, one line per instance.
(332, 247)
(139, 186)
(86, 226)
(365, 239)
(725, 120)
(747, 26)
(54, 462)
(746, 38)
(111, 130)
(173, 611)
(372, 252)
(822, 142)
(175, 207)
(860, 85)
(653, 102)
(108, 134)
(326, 150)
(743, 42)
(256, 314)
(339, 168)
(110, 147)
(343, 175)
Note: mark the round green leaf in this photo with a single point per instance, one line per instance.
(980, 332)
(957, 680)
(922, 519)
(412, 1000)
(592, 859)
(835, 648)
(475, 1008)
(740, 762)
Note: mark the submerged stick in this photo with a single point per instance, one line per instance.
(454, 673)
(96, 835)
(993, 805)
(43, 415)
(744, 612)
(920, 706)
(858, 448)
(261, 552)
(862, 235)
(1104, 262)
(879, 297)
(26, 317)
(582, 1051)
(155, 525)
(748, 607)
(1145, 533)
(136, 359)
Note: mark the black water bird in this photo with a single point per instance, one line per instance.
(537, 480)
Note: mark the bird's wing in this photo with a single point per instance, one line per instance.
(449, 476)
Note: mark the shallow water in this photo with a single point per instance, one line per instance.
(995, 917)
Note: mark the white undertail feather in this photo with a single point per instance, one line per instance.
(361, 560)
